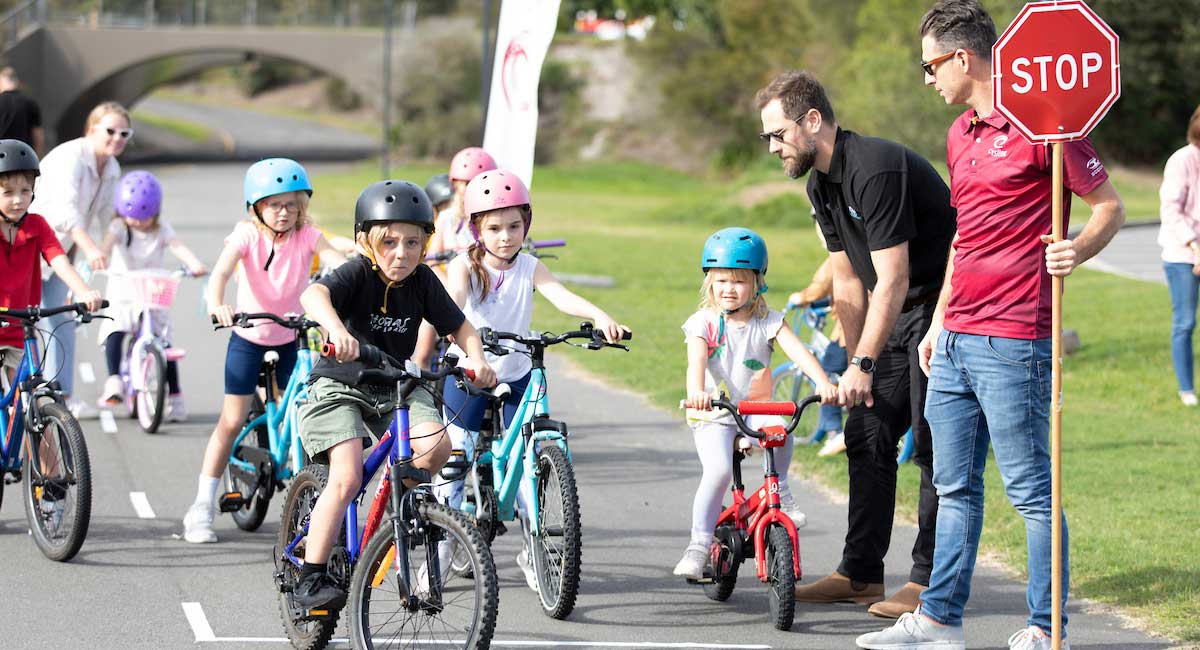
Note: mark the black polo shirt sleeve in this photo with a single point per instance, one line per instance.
(820, 211)
(887, 210)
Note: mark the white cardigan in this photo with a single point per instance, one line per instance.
(71, 193)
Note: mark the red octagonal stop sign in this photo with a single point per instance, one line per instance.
(1055, 71)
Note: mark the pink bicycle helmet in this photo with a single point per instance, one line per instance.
(469, 163)
(494, 190)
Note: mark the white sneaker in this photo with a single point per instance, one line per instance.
(197, 524)
(53, 510)
(527, 568)
(82, 410)
(113, 394)
(176, 411)
(692, 564)
(1188, 397)
(834, 445)
(914, 632)
(1033, 638)
(787, 503)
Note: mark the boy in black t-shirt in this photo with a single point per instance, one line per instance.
(380, 299)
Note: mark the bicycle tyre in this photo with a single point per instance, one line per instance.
(557, 564)
(73, 460)
(252, 515)
(781, 599)
(398, 624)
(723, 584)
(908, 447)
(153, 396)
(297, 505)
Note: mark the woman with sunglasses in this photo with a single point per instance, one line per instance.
(75, 195)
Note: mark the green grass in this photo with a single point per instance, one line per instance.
(182, 128)
(1131, 450)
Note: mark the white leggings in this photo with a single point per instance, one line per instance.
(714, 445)
(452, 492)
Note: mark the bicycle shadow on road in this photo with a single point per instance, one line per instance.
(155, 543)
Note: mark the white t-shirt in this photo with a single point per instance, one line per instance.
(145, 250)
(739, 360)
(72, 193)
(457, 239)
(507, 308)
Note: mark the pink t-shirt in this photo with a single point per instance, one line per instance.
(278, 289)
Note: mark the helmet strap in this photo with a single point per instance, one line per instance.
(271, 257)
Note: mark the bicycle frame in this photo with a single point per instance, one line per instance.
(283, 424)
(150, 321)
(755, 515)
(13, 424)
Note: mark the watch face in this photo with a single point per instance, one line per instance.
(866, 364)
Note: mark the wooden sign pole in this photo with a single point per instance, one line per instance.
(1056, 532)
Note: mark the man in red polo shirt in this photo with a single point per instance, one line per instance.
(987, 352)
(24, 240)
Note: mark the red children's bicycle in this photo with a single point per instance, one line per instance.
(756, 527)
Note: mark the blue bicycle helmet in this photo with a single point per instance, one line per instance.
(274, 176)
(735, 248)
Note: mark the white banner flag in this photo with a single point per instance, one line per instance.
(522, 39)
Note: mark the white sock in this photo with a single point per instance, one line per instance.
(206, 490)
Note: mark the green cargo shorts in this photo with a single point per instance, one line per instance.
(335, 413)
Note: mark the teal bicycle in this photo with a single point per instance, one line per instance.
(532, 454)
(267, 450)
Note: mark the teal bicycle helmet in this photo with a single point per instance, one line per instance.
(735, 248)
(274, 176)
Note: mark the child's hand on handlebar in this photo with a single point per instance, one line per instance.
(223, 314)
(828, 393)
(611, 328)
(485, 377)
(345, 345)
(198, 271)
(699, 400)
(92, 300)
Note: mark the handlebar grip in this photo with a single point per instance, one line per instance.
(214, 319)
(749, 407)
(368, 355)
(327, 349)
(469, 374)
(103, 304)
(626, 335)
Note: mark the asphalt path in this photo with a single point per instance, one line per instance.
(135, 584)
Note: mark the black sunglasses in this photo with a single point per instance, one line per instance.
(778, 135)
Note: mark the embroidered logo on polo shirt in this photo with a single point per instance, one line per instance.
(853, 212)
(997, 150)
(1095, 166)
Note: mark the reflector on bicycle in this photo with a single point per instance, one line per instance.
(773, 436)
(749, 407)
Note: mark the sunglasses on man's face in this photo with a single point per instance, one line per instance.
(124, 134)
(927, 66)
(777, 135)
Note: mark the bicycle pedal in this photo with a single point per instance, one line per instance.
(500, 528)
(706, 580)
(232, 502)
(317, 614)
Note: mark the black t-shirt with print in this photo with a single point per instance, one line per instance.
(386, 318)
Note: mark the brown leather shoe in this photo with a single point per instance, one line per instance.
(837, 588)
(903, 601)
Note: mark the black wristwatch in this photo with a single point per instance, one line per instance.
(865, 364)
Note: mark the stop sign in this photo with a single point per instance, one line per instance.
(1055, 71)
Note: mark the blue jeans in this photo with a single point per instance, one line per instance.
(1184, 287)
(985, 388)
(59, 352)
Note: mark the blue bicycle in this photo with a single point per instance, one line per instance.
(402, 593)
(790, 383)
(54, 463)
(532, 451)
(267, 451)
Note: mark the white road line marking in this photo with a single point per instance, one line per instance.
(108, 423)
(142, 505)
(648, 645)
(199, 622)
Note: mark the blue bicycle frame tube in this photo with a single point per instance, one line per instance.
(282, 424)
(13, 430)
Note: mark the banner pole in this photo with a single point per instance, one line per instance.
(1056, 532)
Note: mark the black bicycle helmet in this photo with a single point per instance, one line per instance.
(393, 201)
(16, 156)
(439, 189)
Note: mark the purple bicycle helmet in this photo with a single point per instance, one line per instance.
(138, 196)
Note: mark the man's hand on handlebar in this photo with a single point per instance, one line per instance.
(345, 344)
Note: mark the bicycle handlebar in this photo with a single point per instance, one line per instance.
(290, 321)
(34, 314)
(793, 409)
(381, 367)
(491, 338)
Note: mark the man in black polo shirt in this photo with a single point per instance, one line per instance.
(20, 117)
(887, 221)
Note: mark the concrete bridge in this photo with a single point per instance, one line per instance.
(68, 68)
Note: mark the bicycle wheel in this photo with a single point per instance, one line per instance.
(463, 616)
(58, 494)
(304, 632)
(781, 599)
(725, 563)
(558, 547)
(153, 393)
(258, 495)
(483, 515)
(907, 446)
(789, 384)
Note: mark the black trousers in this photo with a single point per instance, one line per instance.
(872, 436)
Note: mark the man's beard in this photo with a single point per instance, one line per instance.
(798, 166)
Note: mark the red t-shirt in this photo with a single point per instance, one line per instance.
(1000, 183)
(21, 270)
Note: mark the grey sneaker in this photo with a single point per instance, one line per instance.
(787, 503)
(1033, 638)
(197, 525)
(914, 632)
(692, 564)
